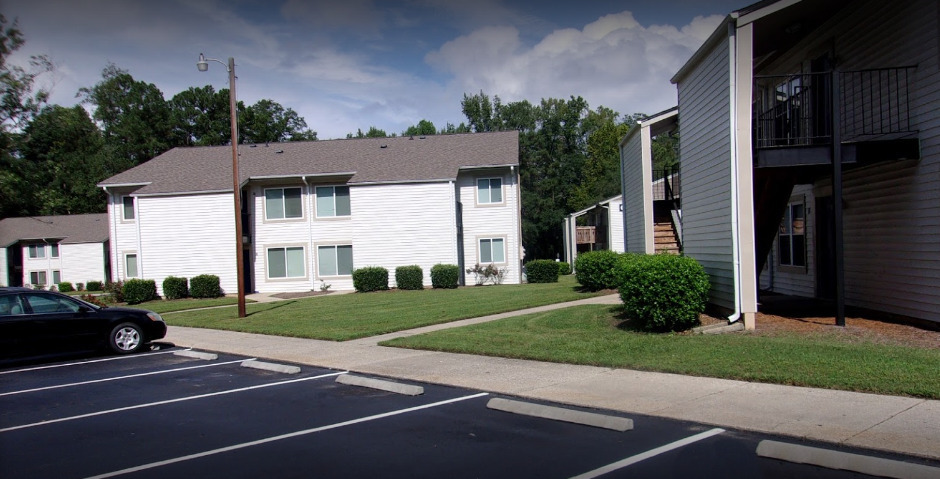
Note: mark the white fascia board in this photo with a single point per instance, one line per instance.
(763, 12)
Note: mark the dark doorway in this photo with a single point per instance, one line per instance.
(825, 248)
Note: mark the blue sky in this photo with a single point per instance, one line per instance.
(351, 64)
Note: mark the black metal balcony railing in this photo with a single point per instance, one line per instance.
(666, 184)
(796, 110)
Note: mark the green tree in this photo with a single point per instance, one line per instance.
(200, 117)
(19, 102)
(134, 116)
(424, 127)
(372, 133)
(601, 174)
(268, 121)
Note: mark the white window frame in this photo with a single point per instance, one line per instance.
(287, 276)
(489, 189)
(284, 204)
(36, 251)
(316, 201)
(136, 264)
(38, 274)
(335, 248)
(133, 210)
(480, 241)
(786, 233)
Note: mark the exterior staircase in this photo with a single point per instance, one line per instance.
(665, 236)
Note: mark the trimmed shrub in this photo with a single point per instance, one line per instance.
(94, 286)
(446, 276)
(175, 288)
(541, 271)
(409, 277)
(664, 292)
(137, 291)
(370, 278)
(66, 287)
(564, 269)
(115, 290)
(597, 270)
(205, 286)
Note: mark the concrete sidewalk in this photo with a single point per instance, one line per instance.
(889, 423)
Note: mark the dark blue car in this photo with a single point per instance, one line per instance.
(46, 321)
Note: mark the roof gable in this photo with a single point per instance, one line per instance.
(67, 229)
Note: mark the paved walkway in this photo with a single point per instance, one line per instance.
(889, 423)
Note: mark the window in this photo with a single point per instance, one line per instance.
(54, 248)
(489, 190)
(492, 250)
(56, 277)
(333, 201)
(47, 303)
(286, 263)
(336, 260)
(130, 266)
(129, 214)
(37, 251)
(10, 305)
(283, 203)
(792, 239)
(37, 277)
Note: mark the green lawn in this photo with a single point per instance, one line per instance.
(162, 306)
(596, 335)
(351, 316)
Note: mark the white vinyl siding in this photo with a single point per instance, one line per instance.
(489, 191)
(333, 201)
(4, 276)
(335, 260)
(283, 203)
(287, 262)
(705, 150)
(615, 224)
(484, 221)
(83, 262)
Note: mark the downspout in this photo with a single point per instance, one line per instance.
(735, 241)
(310, 209)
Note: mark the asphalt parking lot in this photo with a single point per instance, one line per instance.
(176, 413)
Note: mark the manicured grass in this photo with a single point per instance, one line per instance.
(595, 335)
(162, 306)
(351, 316)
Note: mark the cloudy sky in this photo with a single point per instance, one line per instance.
(349, 64)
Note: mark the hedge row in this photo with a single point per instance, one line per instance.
(136, 291)
(375, 278)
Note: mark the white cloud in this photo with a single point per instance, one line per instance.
(613, 61)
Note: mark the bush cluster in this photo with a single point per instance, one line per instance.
(446, 276)
(370, 278)
(115, 290)
(205, 286)
(564, 268)
(66, 287)
(409, 277)
(94, 286)
(664, 292)
(175, 288)
(542, 271)
(137, 291)
(597, 270)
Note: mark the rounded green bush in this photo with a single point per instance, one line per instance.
(446, 276)
(66, 287)
(541, 271)
(175, 288)
(564, 268)
(409, 277)
(137, 291)
(205, 286)
(370, 278)
(597, 270)
(664, 292)
(94, 286)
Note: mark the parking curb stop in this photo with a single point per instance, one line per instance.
(390, 386)
(196, 355)
(615, 423)
(872, 466)
(277, 368)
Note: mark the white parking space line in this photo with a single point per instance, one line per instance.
(79, 363)
(648, 454)
(283, 436)
(168, 401)
(59, 386)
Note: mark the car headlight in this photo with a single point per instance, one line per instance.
(154, 316)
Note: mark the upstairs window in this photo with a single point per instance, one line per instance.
(283, 203)
(129, 213)
(792, 238)
(37, 251)
(54, 250)
(489, 191)
(333, 201)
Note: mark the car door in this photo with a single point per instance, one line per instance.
(17, 331)
(60, 322)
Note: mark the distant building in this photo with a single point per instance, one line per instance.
(46, 250)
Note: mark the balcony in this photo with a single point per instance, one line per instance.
(793, 120)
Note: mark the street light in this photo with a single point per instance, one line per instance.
(203, 65)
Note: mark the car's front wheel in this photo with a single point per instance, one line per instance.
(126, 338)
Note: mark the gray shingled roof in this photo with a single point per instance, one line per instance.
(402, 159)
(67, 228)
